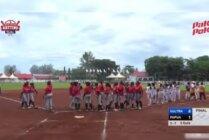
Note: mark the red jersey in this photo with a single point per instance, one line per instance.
(48, 89)
(139, 89)
(101, 88)
(87, 90)
(32, 89)
(121, 90)
(97, 91)
(26, 89)
(115, 90)
(76, 90)
(127, 89)
(107, 90)
(132, 89)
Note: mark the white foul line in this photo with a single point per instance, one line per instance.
(31, 128)
(104, 135)
(16, 101)
(9, 99)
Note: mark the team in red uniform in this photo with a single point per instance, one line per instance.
(31, 95)
(121, 95)
(107, 96)
(87, 96)
(138, 95)
(72, 96)
(116, 96)
(24, 95)
(48, 97)
(76, 91)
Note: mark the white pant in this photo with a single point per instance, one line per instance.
(24, 97)
(31, 96)
(48, 101)
(187, 95)
(87, 98)
(178, 94)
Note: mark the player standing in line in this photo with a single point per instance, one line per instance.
(160, 95)
(71, 96)
(23, 96)
(192, 92)
(138, 95)
(99, 96)
(202, 91)
(132, 94)
(121, 95)
(148, 92)
(87, 96)
(169, 92)
(48, 97)
(31, 94)
(153, 94)
(107, 96)
(178, 91)
(101, 89)
(187, 94)
(197, 94)
(166, 98)
(126, 94)
(173, 92)
(116, 96)
(77, 92)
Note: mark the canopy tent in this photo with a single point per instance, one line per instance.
(111, 76)
(12, 76)
(119, 76)
(4, 76)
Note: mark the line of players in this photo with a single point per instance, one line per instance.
(164, 92)
(119, 96)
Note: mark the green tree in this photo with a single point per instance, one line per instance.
(34, 69)
(10, 69)
(86, 60)
(128, 68)
(78, 74)
(165, 68)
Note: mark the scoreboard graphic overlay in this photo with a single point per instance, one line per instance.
(188, 117)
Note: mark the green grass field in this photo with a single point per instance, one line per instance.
(56, 85)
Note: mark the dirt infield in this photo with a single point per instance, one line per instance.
(149, 123)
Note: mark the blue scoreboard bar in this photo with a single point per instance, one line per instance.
(180, 114)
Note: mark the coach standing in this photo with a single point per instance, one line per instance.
(48, 97)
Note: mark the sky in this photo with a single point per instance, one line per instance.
(58, 32)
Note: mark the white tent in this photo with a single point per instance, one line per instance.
(119, 76)
(12, 76)
(4, 76)
(111, 76)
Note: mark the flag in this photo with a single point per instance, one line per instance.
(100, 70)
(86, 70)
(90, 70)
(113, 70)
(104, 71)
(118, 71)
(93, 70)
(127, 71)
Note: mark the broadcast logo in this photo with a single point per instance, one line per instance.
(10, 27)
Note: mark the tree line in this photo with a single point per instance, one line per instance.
(178, 68)
(87, 62)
